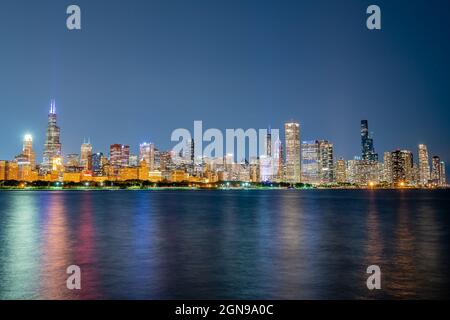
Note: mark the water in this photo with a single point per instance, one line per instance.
(280, 244)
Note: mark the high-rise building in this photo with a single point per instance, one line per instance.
(28, 150)
(367, 149)
(52, 146)
(147, 153)
(85, 156)
(119, 155)
(443, 179)
(97, 164)
(438, 172)
(387, 167)
(402, 167)
(310, 162)
(424, 165)
(292, 138)
(326, 161)
(341, 172)
(269, 143)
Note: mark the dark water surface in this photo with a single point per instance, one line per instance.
(282, 244)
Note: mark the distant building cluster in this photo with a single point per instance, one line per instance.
(308, 162)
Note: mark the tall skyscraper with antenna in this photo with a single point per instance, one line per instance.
(52, 146)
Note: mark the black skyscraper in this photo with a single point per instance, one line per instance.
(367, 149)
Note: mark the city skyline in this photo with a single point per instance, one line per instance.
(299, 161)
(165, 66)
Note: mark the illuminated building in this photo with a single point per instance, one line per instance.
(72, 177)
(387, 167)
(147, 153)
(438, 172)
(341, 172)
(27, 150)
(11, 170)
(128, 173)
(179, 176)
(52, 146)
(326, 161)
(85, 156)
(143, 171)
(443, 180)
(2, 170)
(155, 176)
(424, 165)
(119, 155)
(292, 137)
(310, 162)
(265, 169)
(277, 160)
(133, 160)
(97, 164)
(401, 167)
(367, 149)
(269, 143)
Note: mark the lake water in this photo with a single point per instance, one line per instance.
(247, 244)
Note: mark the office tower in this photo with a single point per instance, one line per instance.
(133, 160)
(147, 153)
(192, 151)
(326, 161)
(424, 165)
(367, 149)
(85, 155)
(97, 164)
(437, 177)
(269, 143)
(310, 162)
(28, 150)
(443, 180)
(72, 160)
(119, 155)
(277, 160)
(292, 144)
(387, 167)
(165, 161)
(341, 172)
(265, 168)
(52, 146)
(402, 167)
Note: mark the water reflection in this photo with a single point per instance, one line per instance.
(20, 257)
(254, 244)
(56, 247)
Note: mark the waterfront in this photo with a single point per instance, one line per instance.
(225, 244)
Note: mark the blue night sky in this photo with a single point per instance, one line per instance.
(140, 69)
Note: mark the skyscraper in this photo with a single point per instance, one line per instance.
(52, 146)
(326, 161)
(436, 171)
(402, 167)
(147, 153)
(341, 171)
(367, 149)
(424, 165)
(310, 162)
(97, 165)
(443, 180)
(85, 156)
(28, 150)
(292, 137)
(119, 155)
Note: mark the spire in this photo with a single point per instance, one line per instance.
(52, 106)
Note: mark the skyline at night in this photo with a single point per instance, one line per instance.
(231, 66)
